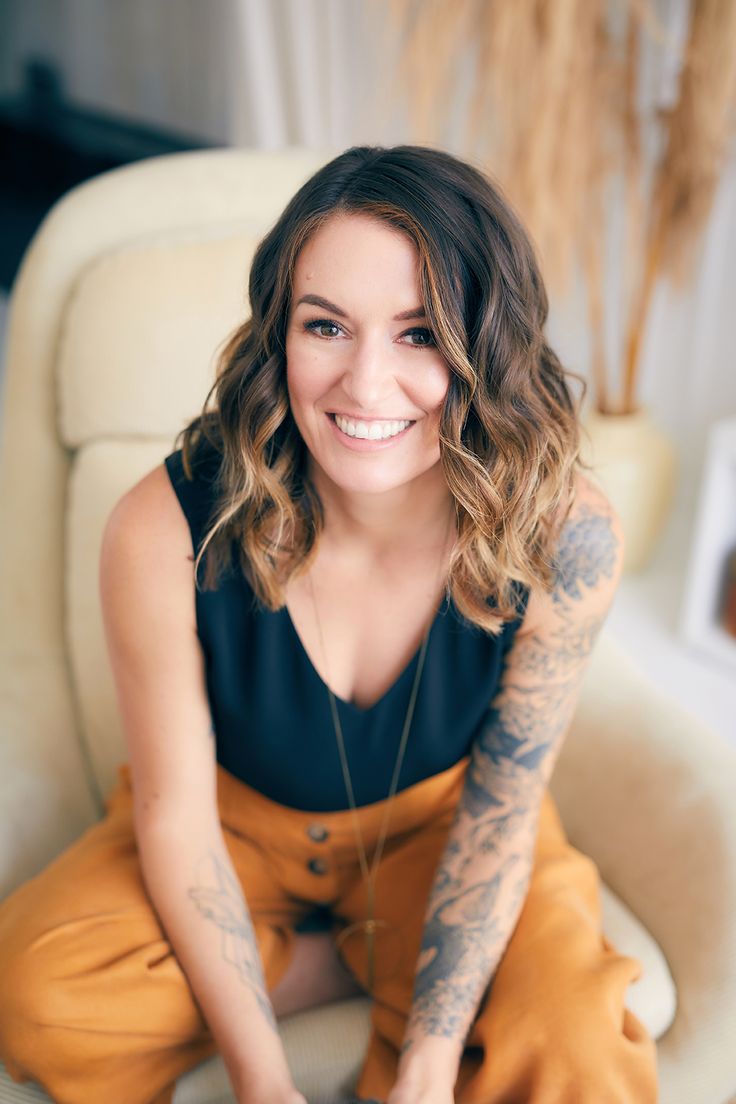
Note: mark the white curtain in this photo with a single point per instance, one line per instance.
(263, 73)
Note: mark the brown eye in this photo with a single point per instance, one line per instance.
(424, 333)
(320, 323)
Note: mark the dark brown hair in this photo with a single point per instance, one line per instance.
(509, 434)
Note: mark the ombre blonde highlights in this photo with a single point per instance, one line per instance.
(509, 432)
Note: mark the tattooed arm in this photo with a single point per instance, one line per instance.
(483, 874)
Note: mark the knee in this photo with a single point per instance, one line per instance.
(598, 1049)
(25, 994)
(38, 982)
(568, 1043)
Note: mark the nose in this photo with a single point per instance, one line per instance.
(369, 379)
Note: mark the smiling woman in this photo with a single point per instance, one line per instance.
(405, 572)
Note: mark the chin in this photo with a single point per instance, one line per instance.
(365, 482)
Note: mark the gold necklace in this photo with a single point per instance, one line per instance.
(370, 925)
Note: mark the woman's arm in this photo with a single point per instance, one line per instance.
(148, 603)
(196, 894)
(483, 875)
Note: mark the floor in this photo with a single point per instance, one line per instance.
(644, 619)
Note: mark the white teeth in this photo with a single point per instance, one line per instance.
(376, 431)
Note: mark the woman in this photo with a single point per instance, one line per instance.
(399, 574)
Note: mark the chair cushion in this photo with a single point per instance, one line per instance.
(653, 996)
(157, 311)
(324, 1048)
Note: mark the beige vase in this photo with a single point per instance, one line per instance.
(634, 462)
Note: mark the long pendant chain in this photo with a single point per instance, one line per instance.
(370, 925)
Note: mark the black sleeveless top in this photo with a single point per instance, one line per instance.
(271, 710)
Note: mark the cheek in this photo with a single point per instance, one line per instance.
(437, 389)
(301, 378)
(307, 374)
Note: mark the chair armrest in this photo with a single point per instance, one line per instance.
(648, 792)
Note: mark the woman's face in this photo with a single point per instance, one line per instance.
(350, 354)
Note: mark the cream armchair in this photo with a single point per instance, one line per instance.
(127, 290)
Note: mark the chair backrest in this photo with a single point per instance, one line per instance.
(123, 299)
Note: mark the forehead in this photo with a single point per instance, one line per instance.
(357, 252)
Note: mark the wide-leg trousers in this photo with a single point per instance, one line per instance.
(95, 1007)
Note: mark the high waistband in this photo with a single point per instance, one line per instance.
(248, 812)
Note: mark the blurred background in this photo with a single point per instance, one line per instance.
(610, 126)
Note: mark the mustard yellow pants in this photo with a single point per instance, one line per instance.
(95, 1007)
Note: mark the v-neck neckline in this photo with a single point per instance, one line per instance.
(356, 709)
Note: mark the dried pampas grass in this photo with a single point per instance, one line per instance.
(698, 131)
(553, 113)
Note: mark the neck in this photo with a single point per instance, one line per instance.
(379, 525)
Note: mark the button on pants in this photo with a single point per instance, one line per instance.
(95, 1007)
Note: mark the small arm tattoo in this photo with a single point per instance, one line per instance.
(219, 898)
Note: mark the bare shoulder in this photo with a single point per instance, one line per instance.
(151, 506)
(147, 525)
(146, 557)
(587, 562)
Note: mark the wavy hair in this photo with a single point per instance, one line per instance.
(509, 429)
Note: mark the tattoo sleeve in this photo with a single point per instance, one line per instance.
(483, 874)
(219, 898)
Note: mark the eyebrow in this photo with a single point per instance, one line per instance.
(319, 301)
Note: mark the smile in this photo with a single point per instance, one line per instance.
(368, 436)
(370, 431)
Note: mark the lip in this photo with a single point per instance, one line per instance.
(362, 418)
(358, 445)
